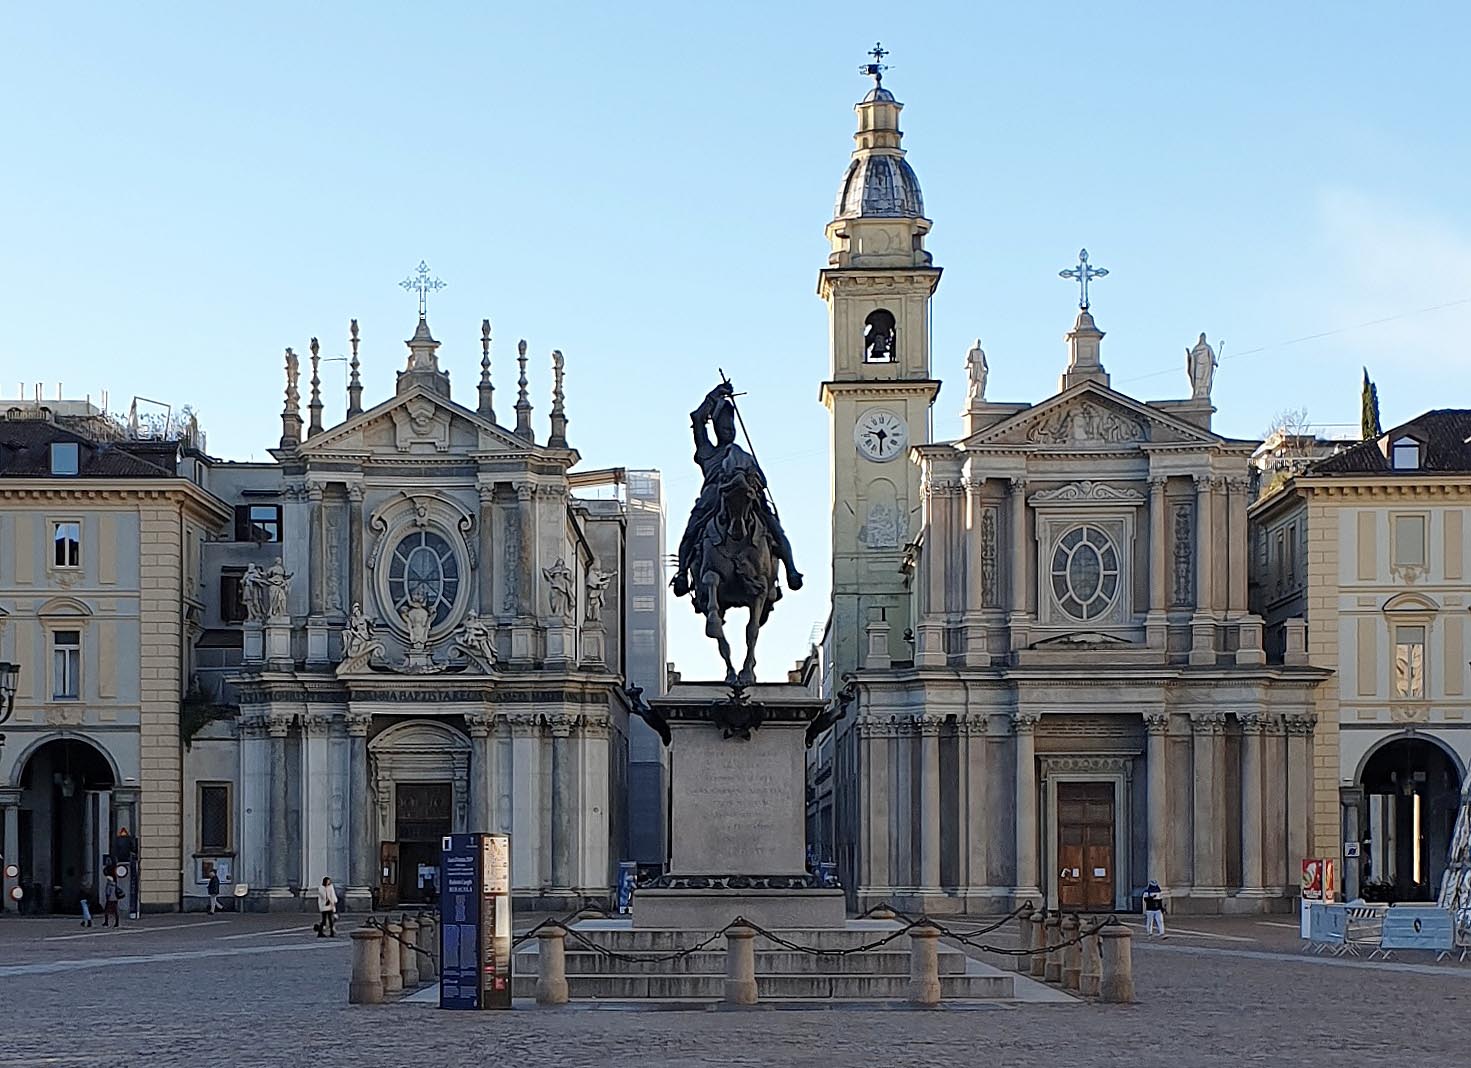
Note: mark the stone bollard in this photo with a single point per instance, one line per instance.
(1072, 955)
(740, 965)
(1038, 960)
(1021, 962)
(551, 966)
(924, 965)
(428, 942)
(1052, 971)
(408, 962)
(366, 986)
(392, 960)
(1092, 965)
(1116, 985)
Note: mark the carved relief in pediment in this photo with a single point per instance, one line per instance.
(1087, 423)
(421, 421)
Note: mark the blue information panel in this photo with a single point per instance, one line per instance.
(459, 911)
(1417, 927)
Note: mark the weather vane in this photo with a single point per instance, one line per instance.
(875, 70)
(1083, 273)
(420, 282)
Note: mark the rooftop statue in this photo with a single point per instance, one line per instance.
(733, 542)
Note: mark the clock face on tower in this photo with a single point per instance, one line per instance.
(880, 435)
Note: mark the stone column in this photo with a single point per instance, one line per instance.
(873, 737)
(1299, 779)
(1017, 557)
(564, 803)
(1210, 876)
(315, 492)
(354, 543)
(1024, 725)
(1236, 546)
(1160, 573)
(363, 849)
(977, 821)
(1351, 799)
(482, 779)
(485, 575)
(282, 868)
(11, 809)
(1203, 631)
(524, 577)
(976, 550)
(1252, 726)
(928, 730)
(1157, 796)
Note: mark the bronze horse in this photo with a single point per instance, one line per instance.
(737, 568)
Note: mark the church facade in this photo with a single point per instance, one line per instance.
(421, 619)
(1061, 691)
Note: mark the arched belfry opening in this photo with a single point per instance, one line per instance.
(880, 337)
(1411, 788)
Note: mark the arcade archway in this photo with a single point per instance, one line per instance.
(1411, 791)
(65, 824)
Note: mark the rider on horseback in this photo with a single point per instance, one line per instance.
(721, 461)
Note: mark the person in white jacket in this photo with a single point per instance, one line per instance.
(327, 906)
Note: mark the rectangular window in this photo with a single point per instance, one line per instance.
(1409, 541)
(258, 522)
(66, 665)
(214, 817)
(1409, 662)
(645, 530)
(642, 573)
(65, 457)
(66, 544)
(1405, 454)
(232, 597)
(1291, 566)
(645, 604)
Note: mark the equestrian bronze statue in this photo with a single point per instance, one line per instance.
(734, 542)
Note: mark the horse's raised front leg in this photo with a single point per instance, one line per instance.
(715, 623)
(753, 628)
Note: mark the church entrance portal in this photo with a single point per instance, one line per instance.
(1085, 837)
(421, 779)
(1412, 789)
(424, 817)
(65, 824)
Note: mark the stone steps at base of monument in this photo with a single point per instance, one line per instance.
(768, 962)
(628, 940)
(772, 987)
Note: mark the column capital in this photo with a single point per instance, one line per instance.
(561, 726)
(973, 486)
(355, 492)
(523, 724)
(973, 726)
(1156, 722)
(1203, 483)
(486, 490)
(1208, 722)
(524, 491)
(278, 724)
(253, 726)
(315, 491)
(1253, 723)
(479, 724)
(1025, 722)
(1018, 484)
(1157, 484)
(358, 723)
(928, 725)
(1238, 484)
(596, 726)
(1300, 724)
(317, 725)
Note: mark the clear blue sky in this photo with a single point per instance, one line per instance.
(645, 187)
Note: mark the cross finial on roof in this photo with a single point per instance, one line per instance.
(1083, 273)
(420, 282)
(875, 70)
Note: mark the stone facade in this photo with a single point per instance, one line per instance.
(1061, 689)
(1371, 546)
(99, 604)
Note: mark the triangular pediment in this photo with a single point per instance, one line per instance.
(416, 421)
(1090, 416)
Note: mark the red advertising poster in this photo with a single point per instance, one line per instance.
(1312, 879)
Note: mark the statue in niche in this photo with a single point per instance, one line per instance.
(415, 616)
(562, 596)
(276, 586)
(597, 590)
(976, 370)
(475, 640)
(1200, 365)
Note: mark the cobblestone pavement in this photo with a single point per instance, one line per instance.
(261, 990)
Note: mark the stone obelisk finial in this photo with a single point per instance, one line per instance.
(315, 407)
(354, 383)
(558, 439)
(523, 404)
(487, 391)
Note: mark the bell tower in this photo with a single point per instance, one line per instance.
(877, 285)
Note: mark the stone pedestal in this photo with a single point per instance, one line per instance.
(561, 643)
(254, 650)
(278, 643)
(737, 813)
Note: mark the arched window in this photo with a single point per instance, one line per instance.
(424, 565)
(880, 339)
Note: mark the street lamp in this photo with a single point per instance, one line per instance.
(9, 680)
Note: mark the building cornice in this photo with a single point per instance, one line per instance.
(101, 490)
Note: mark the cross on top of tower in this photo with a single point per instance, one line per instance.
(420, 282)
(1083, 273)
(875, 70)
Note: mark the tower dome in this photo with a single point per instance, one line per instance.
(879, 182)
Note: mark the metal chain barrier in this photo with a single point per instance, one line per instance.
(382, 925)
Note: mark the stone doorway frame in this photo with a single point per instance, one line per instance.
(1116, 769)
(418, 750)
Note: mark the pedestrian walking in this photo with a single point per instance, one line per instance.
(213, 890)
(112, 893)
(86, 911)
(327, 906)
(1154, 909)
